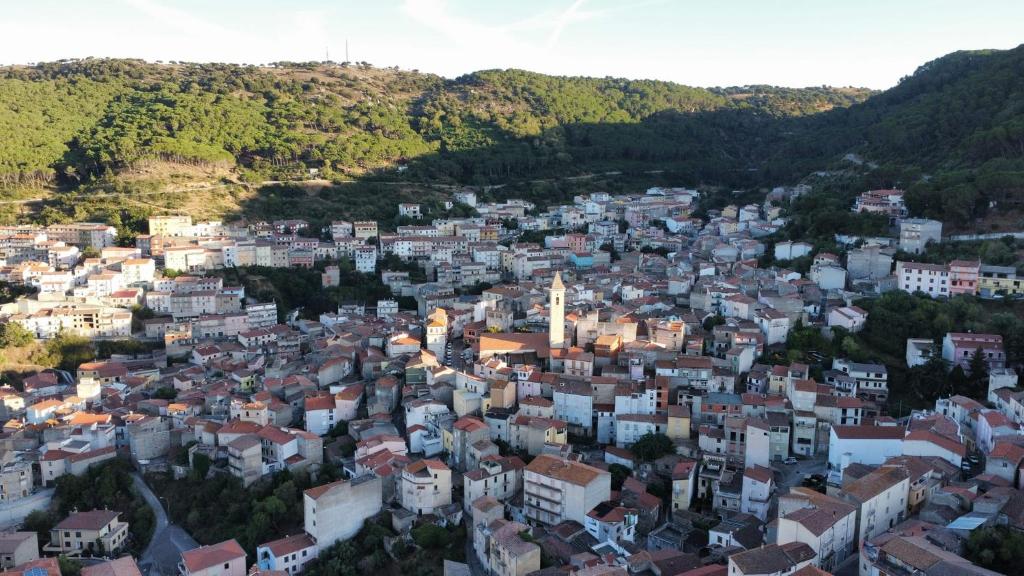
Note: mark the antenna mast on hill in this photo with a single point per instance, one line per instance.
(327, 53)
(346, 50)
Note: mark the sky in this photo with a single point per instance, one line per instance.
(868, 43)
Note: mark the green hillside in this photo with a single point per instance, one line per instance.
(952, 133)
(71, 122)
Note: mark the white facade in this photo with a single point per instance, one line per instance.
(931, 279)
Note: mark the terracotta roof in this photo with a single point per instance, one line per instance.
(759, 473)
(124, 566)
(565, 470)
(208, 556)
(869, 432)
(867, 487)
(289, 544)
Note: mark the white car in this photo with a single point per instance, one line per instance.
(791, 460)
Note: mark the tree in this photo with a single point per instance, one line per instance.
(711, 321)
(200, 465)
(995, 548)
(69, 566)
(431, 536)
(652, 446)
(13, 335)
(619, 475)
(612, 252)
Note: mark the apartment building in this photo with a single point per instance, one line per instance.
(916, 233)
(558, 489)
(825, 523)
(499, 477)
(880, 498)
(930, 279)
(336, 511)
(959, 348)
(426, 486)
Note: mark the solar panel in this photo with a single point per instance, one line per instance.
(36, 571)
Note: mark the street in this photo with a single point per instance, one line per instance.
(162, 555)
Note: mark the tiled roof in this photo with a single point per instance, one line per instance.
(208, 556)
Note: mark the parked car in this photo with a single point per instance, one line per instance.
(790, 460)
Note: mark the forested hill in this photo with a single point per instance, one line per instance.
(956, 124)
(76, 120)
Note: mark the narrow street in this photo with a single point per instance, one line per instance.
(162, 555)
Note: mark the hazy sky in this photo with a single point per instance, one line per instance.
(699, 42)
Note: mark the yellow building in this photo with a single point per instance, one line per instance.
(678, 422)
(999, 280)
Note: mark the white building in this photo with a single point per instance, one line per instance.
(557, 489)
(336, 511)
(426, 486)
(851, 318)
(916, 233)
(869, 445)
(931, 279)
(791, 250)
(366, 259)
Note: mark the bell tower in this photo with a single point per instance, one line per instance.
(556, 318)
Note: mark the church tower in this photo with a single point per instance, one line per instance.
(437, 332)
(556, 319)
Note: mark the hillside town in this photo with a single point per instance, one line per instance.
(599, 388)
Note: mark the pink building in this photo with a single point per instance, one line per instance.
(963, 277)
(576, 242)
(960, 347)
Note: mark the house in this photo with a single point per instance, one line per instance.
(557, 489)
(245, 458)
(123, 566)
(915, 553)
(872, 379)
(336, 511)
(930, 279)
(825, 523)
(880, 498)
(466, 431)
(792, 250)
(426, 486)
(771, 560)
(963, 277)
(916, 233)
(684, 484)
(223, 559)
(851, 318)
(868, 445)
(17, 548)
(1005, 461)
(756, 492)
(508, 553)
(959, 348)
(498, 477)
(630, 428)
(96, 532)
(532, 434)
(289, 554)
(611, 522)
(919, 351)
